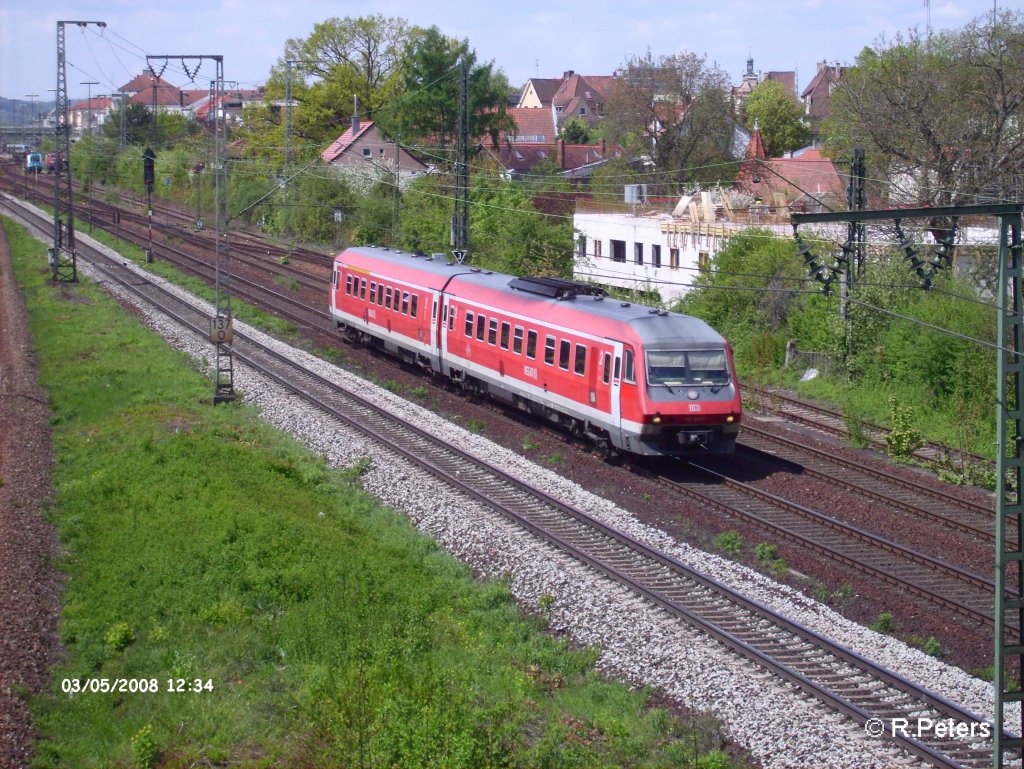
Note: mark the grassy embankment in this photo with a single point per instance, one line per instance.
(203, 545)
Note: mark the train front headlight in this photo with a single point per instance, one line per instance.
(729, 419)
(656, 419)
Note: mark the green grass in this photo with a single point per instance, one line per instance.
(202, 544)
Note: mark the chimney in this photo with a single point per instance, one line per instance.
(567, 74)
(604, 147)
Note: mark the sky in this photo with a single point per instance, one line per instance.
(523, 40)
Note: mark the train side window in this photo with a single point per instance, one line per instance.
(563, 354)
(414, 306)
(618, 365)
(549, 350)
(517, 341)
(451, 319)
(492, 331)
(506, 332)
(481, 324)
(348, 285)
(362, 288)
(387, 297)
(606, 368)
(380, 294)
(628, 374)
(469, 325)
(373, 292)
(531, 344)
(334, 279)
(580, 362)
(405, 303)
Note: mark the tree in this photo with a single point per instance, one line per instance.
(429, 103)
(677, 110)
(938, 116)
(776, 112)
(576, 130)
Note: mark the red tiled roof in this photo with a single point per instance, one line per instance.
(532, 122)
(805, 172)
(339, 145)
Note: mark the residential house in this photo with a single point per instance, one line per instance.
(571, 95)
(572, 161)
(88, 114)
(363, 150)
(802, 180)
(817, 96)
(149, 90)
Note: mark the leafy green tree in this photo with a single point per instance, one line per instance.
(576, 130)
(939, 116)
(777, 114)
(428, 105)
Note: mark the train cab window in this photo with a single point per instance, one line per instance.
(481, 324)
(362, 288)
(549, 350)
(492, 331)
(563, 354)
(334, 279)
(580, 361)
(531, 345)
(414, 305)
(506, 332)
(348, 285)
(373, 292)
(628, 373)
(517, 341)
(469, 324)
(606, 367)
(405, 303)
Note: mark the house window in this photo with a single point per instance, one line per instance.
(656, 256)
(673, 258)
(580, 362)
(597, 249)
(366, 152)
(583, 110)
(581, 246)
(704, 261)
(638, 253)
(618, 251)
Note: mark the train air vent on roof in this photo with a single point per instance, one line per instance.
(556, 288)
(625, 304)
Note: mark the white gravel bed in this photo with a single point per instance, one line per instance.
(780, 726)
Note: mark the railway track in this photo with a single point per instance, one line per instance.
(838, 677)
(832, 421)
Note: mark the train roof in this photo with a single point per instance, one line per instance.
(543, 298)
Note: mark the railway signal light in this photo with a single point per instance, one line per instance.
(148, 174)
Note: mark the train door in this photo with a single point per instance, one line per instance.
(614, 377)
(444, 331)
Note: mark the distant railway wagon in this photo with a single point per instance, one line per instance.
(33, 162)
(633, 379)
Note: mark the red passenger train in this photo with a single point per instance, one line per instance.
(634, 379)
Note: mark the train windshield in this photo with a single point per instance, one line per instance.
(687, 367)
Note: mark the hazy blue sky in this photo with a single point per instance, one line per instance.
(522, 39)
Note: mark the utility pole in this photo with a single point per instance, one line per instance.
(90, 148)
(63, 264)
(221, 324)
(460, 219)
(32, 116)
